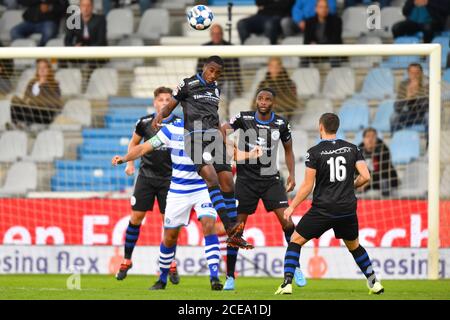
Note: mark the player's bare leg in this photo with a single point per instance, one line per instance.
(364, 263)
(166, 256)
(291, 262)
(131, 236)
(234, 230)
(212, 251)
(232, 253)
(288, 229)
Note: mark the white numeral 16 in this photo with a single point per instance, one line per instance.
(338, 171)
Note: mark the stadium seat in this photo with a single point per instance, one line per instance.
(414, 183)
(390, 16)
(9, 19)
(248, 63)
(259, 76)
(106, 133)
(120, 23)
(405, 146)
(309, 120)
(5, 113)
(237, 105)
(26, 43)
(382, 121)
(354, 22)
(339, 83)
(104, 82)
(400, 62)
(292, 62)
(445, 45)
(354, 115)
(14, 145)
(366, 61)
(445, 182)
(75, 114)
(307, 81)
(49, 145)
(154, 23)
(69, 81)
(20, 178)
(57, 42)
(446, 75)
(24, 78)
(127, 64)
(378, 84)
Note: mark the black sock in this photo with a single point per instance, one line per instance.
(288, 233)
(231, 260)
(291, 261)
(131, 237)
(363, 261)
(219, 204)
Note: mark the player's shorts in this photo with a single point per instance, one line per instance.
(203, 151)
(179, 206)
(271, 192)
(313, 225)
(146, 190)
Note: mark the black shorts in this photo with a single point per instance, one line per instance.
(248, 192)
(203, 150)
(145, 192)
(314, 224)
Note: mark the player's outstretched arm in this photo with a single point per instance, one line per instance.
(135, 140)
(138, 151)
(364, 174)
(304, 191)
(164, 113)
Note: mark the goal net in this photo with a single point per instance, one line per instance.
(64, 113)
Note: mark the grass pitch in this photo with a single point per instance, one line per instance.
(49, 287)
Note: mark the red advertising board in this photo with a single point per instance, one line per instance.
(383, 223)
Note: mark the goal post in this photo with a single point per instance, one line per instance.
(431, 51)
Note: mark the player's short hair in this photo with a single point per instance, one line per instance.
(216, 59)
(161, 90)
(369, 129)
(330, 122)
(266, 89)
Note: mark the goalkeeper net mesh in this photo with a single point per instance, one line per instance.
(62, 120)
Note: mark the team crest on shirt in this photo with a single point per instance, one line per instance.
(275, 135)
(217, 92)
(279, 122)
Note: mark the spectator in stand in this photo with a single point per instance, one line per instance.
(41, 16)
(323, 28)
(266, 21)
(378, 158)
(352, 3)
(285, 89)
(42, 99)
(107, 5)
(411, 107)
(230, 81)
(426, 16)
(301, 11)
(6, 71)
(92, 31)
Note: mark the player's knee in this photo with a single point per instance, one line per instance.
(208, 225)
(137, 217)
(170, 239)
(351, 244)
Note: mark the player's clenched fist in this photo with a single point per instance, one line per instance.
(116, 160)
(130, 169)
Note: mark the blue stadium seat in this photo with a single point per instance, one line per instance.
(129, 102)
(446, 75)
(107, 133)
(378, 84)
(405, 146)
(400, 62)
(444, 42)
(382, 121)
(235, 2)
(354, 115)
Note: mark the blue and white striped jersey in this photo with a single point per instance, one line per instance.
(185, 178)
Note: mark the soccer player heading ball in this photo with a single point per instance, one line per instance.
(331, 166)
(199, 96)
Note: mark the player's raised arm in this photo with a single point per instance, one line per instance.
(304, 191)
(135, 141)
(364, 174)
(138, 151)
(164, 113)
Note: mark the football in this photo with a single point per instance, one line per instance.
(200, 17)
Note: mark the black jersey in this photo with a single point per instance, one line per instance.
(266, 134)
(334, 161)
(200, 102)
(157, 164)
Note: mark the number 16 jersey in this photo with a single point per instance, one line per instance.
(334, 162)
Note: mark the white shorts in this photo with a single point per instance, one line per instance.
(179, 206)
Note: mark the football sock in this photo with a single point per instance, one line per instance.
(131, 237)
(230, 203)
(219, 204)
(363, 261)
(166, 256)
(288, 233)
(212, 253)
(291, 261)
(231, 260)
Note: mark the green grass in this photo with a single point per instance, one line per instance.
(193, 288)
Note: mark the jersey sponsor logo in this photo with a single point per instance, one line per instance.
(279, 122)
(337, 151)
(275, 135)
(207, 96)
(207, 205)
(261, 141)
(248, 117)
